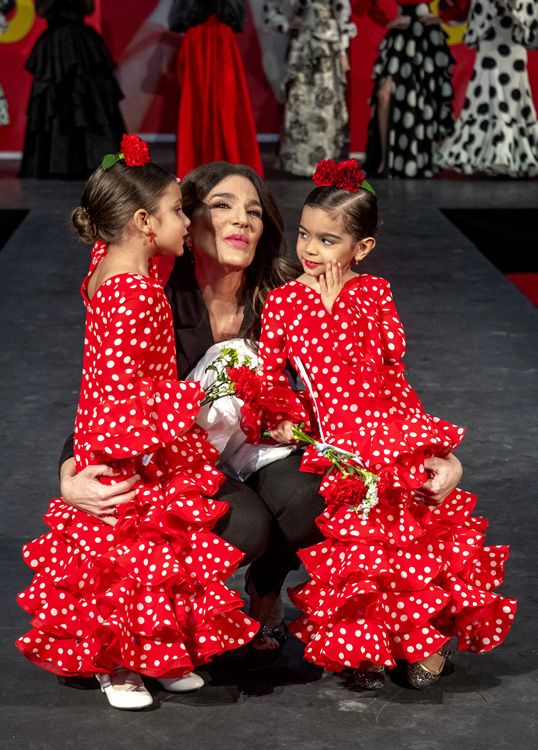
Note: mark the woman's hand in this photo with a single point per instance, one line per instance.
(429, 19)
(344, 63)
(85, 492)
(330, 284)
(400, 22)
(445, 474)
(283, 433)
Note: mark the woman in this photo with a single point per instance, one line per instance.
(315, 112)
(216, 293)
(215, 119)
(412, 95)
(73, 112)
(497, 131)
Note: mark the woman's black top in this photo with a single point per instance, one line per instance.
(187, 13)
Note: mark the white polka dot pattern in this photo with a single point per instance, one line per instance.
(401, 582)
(148, 594)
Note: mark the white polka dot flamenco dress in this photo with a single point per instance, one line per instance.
(149, 593)
(497, 131)
(401, 582)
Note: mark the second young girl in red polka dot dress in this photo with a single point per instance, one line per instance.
(399, 580)
(146, 594)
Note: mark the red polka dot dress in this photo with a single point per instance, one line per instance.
(149, 593)
(400, 581)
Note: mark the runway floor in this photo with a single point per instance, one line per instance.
(472, 355)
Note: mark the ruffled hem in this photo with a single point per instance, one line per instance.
(148, 594)
(400, 584)
(400, 445)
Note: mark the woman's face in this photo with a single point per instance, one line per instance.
(225, 230)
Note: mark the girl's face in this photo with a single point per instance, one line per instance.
(169, 224)
(322, 238)
(227, 227)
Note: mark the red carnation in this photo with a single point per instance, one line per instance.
(346, 491)
(350, 177)
(135, 151)
(326, 173)
(246, 382)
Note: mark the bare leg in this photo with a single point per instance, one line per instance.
(384, 96)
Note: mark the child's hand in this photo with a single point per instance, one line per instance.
(330, 284)
(283, 433)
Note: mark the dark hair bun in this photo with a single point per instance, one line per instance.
(84, 225)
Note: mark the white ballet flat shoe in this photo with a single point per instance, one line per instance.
(125, 690)
(183, 684)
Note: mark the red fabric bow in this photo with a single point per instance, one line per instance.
(346, 175)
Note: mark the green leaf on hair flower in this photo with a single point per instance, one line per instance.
(109, 160)
(366, 185)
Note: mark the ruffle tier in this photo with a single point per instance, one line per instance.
(400, 584)
(73, 110)
(149, 593)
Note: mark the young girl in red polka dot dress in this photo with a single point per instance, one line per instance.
(395, 578)
(145, 594)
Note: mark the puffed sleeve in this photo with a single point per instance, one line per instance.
(280, 402)
(392, 331)
(342, 13)
(138, 412)
(273, 17)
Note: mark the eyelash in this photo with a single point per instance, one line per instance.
(302, 236)
(253, 211)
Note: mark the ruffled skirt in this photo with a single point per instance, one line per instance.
(497, 131)
(149, 593)
(73, 111)
(400, 583)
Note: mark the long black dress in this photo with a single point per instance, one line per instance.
(73, 111)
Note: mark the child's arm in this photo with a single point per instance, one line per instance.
(138, 412)
(391, 328)
(281, 402)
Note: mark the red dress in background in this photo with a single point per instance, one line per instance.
(149, 593)
(401, 581)
(215, 121)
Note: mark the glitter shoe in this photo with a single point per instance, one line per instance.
(421, 677)
(370, 679)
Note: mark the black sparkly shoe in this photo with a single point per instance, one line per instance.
(279, 633)
(421, 677)
(370, 679)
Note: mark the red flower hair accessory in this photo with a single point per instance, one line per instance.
(346, 175)
(134, 151)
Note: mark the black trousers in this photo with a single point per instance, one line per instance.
(270, 517)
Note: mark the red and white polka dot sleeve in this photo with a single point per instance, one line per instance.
(279, 400)
(125, 345)
(392, 331)
(272, 349)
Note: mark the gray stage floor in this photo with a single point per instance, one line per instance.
(472, 355)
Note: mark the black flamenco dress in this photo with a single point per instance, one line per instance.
(73, 111)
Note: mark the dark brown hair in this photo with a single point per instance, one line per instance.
(111, 197)
(269, 268)
(358, 210)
